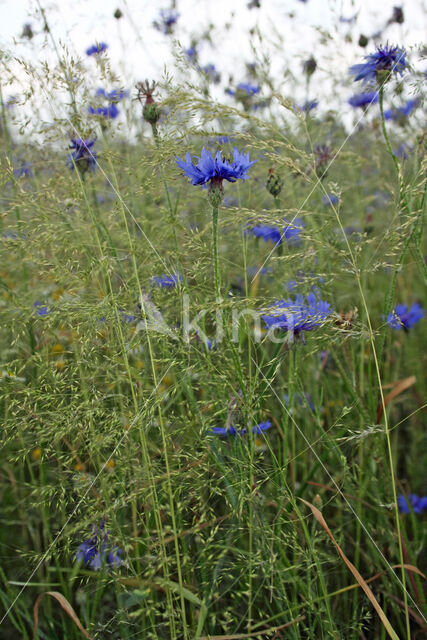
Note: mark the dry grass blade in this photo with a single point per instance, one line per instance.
(398, 387)
(241, 636)
(64, 604)
(320, 519)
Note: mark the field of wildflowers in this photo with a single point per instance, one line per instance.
(212, 342)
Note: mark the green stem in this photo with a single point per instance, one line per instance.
(215, 252)
(385, 134)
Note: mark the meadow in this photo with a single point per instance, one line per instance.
(212, 345)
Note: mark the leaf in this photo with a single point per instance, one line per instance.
(320, 519)
(398, 387)
(64, 604)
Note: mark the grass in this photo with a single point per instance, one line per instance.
(108, 402)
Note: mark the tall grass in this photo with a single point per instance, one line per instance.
(108, 402)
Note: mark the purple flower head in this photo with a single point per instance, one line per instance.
(302, 401)
(290, 232)
(41, 309)
(211, 72)
(191, 54)
(267, 233)
(256, 271)
(400, 113)
(93, 550)
(82, 157)
(99, 47)
(349, 20)
(384, 59)
(216, 169)
(404, 317)
(330, 199)
(363, 99)
(126, 317)
(297, 317)
(261, 427)
(224, 431)
(308, 106)
(165, 281)
(167, 19)
(248, 89)
(232, 431)
(109, 113)
(24, 171)
(403, 150)
(115, 95)
(418, 504)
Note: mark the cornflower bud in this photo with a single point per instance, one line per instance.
(150, 111)
(274, 183)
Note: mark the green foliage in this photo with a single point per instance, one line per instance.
(107, 417)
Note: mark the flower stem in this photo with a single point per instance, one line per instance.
(215, 252)
(390, 455)
(385, 134)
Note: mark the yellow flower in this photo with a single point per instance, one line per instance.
(110, 464)
(57, 348)
(37, 453)
(260, 444)
(58, 293)
(79, 466)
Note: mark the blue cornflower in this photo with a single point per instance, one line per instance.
(403, 150)
(308, 105)
(246, 88)
(330, 199)
(349, 20)
(126, 317)
(297, 317)
(99, 47)
(216, 169)
(261, 427)
(191, 53)
(82, 157)
(109, 112)
(267, 233)
(291, 285)
(168, 17)
(23, 171)
(113, 96)
(386, 58)
(224, 431)
(93, 550)
(301, 400)
(417, 503)
(165, 281)
(232, 431)
(353, 232)
(400, 113)
(211, 71)
(41, 309)
(404, 317)
(10, 235)
(290, 232)
(363, 99)
(256, 271)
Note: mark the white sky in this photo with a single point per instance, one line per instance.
(137, 50)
